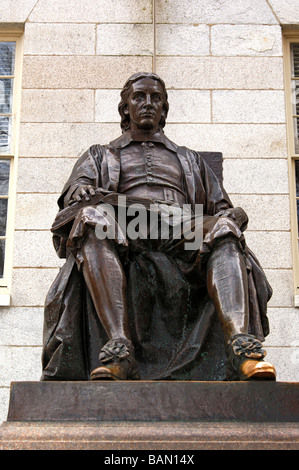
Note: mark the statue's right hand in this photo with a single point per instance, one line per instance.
(83, 192)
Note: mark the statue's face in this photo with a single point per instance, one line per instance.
(145, 105)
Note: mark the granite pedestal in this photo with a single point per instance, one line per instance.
(147, 415)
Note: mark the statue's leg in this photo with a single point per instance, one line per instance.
(227, 286)
(106, 281)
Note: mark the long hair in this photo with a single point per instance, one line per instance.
(125, 118)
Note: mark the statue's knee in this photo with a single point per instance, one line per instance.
(85, 212)
(229, 242)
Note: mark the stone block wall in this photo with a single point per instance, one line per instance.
(223, 66)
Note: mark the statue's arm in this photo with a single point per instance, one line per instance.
(237, 214)
(218, 202)
(84, 178)
(86, 172)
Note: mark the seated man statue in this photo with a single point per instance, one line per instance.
(147, 307)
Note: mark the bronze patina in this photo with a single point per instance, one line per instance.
(146, 307)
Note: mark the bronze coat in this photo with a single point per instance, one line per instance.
(190, 343)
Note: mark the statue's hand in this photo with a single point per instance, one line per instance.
(83, 192)
(237, 214)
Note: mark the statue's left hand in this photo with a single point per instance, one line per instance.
(237, 214)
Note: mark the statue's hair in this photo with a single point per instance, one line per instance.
(125, 118)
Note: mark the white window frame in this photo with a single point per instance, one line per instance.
(7, 35)
(291, 37)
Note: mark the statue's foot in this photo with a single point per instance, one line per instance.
(246, 359)
(115, 371)
(256, 370)
(117, 362)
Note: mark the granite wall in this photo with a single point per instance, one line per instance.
(223, 66)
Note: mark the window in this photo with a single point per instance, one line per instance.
(291, 56)
(10, 75)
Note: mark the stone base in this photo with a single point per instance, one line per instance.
(152, 416)
(171, 436)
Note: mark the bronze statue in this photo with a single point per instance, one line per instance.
(126, 308)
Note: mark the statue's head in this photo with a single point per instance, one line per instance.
(125, 93)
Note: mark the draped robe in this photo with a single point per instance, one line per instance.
(173, 323)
